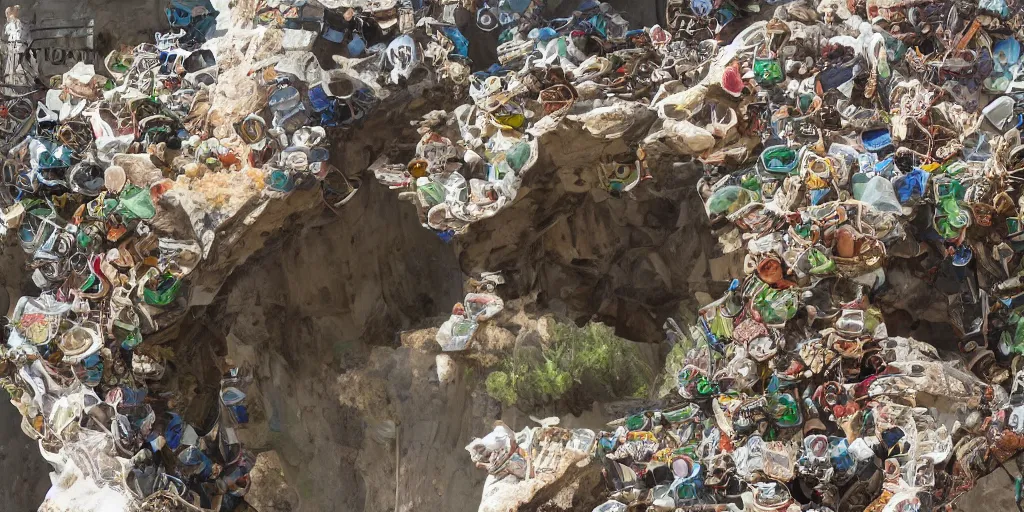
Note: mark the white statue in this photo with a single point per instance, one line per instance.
(18, 66)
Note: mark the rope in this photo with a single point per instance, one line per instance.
(398, 461)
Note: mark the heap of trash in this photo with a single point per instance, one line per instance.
(838, 141)
(116, 179)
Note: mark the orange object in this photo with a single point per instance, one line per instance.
(770, 270)
(228, 159)
(725, 444)
(158, 189)
(76, 219)
(961, 45)
(845, 242)
(115, 232)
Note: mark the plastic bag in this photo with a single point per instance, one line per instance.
(135, 203)
(878, 193)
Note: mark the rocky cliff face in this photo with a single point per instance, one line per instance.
(315, 313)
(315, 316)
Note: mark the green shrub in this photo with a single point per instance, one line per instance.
(548, 380)
(499, 386)
(585, 363)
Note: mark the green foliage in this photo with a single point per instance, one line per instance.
(499, 386)
(585, 363)
(548, 380)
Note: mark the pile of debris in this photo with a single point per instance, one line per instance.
(837, 142)
(104, 182)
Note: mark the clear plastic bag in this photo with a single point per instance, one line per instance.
(878, 193)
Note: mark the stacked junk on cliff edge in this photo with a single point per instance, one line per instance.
(837, 140)
(112, 262)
